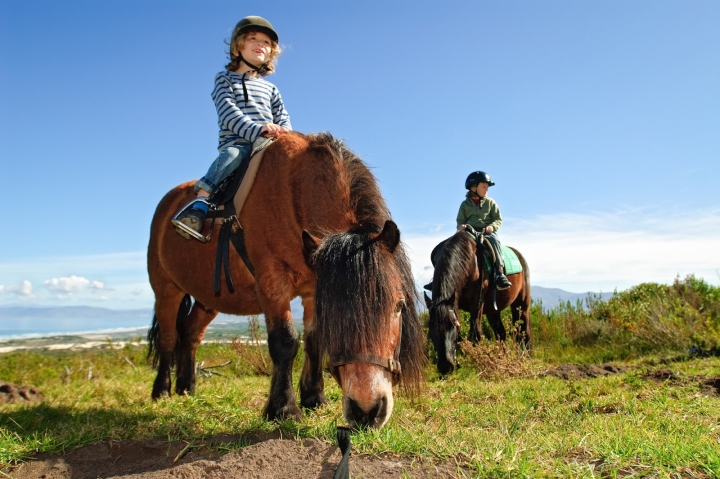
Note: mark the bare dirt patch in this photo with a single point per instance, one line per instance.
(11, 393)
(585, 371)
(266, 457)
(711, 387)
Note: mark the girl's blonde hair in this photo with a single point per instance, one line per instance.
(236, 45)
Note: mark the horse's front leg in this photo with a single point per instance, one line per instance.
(476, 314)
(191, 330)
(312, 383)
(283, 343)
(497, 325)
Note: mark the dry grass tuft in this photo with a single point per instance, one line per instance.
(252, 352)
(498, 360)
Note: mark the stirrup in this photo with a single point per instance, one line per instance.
(180, 225)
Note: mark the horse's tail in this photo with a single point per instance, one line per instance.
(526, 300)
(526, 272)
(153, 336)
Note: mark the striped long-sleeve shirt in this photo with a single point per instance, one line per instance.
(240, 122)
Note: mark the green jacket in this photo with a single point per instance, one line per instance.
(486, 213)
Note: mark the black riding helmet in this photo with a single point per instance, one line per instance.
(477, 177)
(255, 24)
(251, 24)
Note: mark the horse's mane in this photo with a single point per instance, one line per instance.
(354, 256)
(453, 267)
(366, 201)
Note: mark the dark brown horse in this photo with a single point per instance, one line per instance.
(316, 226)
(458, 283)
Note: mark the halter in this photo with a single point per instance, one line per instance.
(392, 365)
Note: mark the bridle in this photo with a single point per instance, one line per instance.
(391, 365)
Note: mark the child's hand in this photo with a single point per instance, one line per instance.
(272, 130)
(489, 229)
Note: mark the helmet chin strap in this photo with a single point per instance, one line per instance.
(254, 68)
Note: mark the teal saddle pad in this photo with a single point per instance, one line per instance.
(512, 263)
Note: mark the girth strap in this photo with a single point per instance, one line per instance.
(238, 240)
(222, 258)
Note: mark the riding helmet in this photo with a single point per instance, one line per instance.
(477, 177)
(254, 23)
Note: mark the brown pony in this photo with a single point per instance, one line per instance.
(458, 283)
(316, 226)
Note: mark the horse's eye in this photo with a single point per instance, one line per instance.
(399, 306)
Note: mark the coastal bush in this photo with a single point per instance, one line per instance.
(650, 318)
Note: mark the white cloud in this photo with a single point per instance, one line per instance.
(604, 251)
(72, 284)
(25, 289)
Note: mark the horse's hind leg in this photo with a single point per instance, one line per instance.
(311, 381)
(170, 304)
(191, 331)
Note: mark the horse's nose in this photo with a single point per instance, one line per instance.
(372, 417)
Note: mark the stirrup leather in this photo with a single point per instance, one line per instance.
(195, 234)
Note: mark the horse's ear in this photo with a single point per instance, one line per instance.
(428, 301)
(390, 235)
(310, 245)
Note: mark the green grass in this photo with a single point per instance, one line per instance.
(623, 425)
(522, 427)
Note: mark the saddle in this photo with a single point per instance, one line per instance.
(485, 254)
(230, 199)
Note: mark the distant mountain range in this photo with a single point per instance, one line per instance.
(552, 297)
(26, 320)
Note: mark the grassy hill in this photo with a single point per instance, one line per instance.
(643, 400)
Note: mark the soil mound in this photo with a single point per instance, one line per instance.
(10, 393)
(271, 458)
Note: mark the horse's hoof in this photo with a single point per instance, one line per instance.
(160, 394)
(290, 411)
(185, 390)
(314, 402)
(161, 389)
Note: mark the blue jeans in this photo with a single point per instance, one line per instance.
(227, 161)
(495, 242)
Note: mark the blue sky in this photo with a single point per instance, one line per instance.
(599, 122)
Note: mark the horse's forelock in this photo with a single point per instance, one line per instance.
(354, 287)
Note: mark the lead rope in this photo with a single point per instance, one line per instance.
(343, 469)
